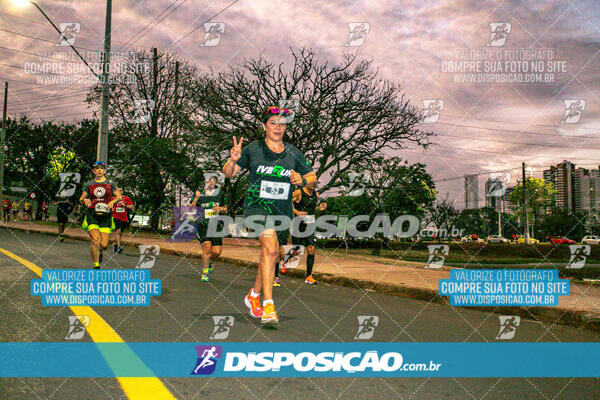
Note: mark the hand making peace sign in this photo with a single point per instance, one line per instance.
(236, 150)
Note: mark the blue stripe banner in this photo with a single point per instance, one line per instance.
(284, 359)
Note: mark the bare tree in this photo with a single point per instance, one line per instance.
(153, 132)
(344, 115)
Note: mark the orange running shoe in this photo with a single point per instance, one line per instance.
(269, 317)
(253, 303)
(310, 280)
(282, 268)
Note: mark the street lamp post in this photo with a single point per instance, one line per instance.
(3, 138)
(102, 150)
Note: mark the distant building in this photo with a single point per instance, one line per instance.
(471, 191)
(563, 177)
(508, 206)
(586, 185)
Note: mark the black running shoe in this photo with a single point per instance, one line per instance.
(100, 257)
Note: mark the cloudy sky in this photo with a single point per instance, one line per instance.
(483, 126)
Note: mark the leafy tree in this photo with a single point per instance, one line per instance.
(538, 196)
(399, 188)
(479, 221)
(563, 222)
(443, 214)
(155, 137)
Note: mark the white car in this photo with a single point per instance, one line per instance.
(591, 240)
(497, 239)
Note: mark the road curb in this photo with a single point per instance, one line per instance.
(576, 318)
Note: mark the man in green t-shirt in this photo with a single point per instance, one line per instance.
(274, 167)
(212, 203)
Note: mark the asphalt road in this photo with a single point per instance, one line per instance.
(183, 313)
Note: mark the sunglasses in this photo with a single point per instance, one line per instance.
(99, 164)
(277, 110)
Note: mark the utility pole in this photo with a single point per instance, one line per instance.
(500, 216)
(102, 151)
(3, 138)
(526, 222)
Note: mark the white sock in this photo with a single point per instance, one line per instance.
(254, 294)
(265, 302)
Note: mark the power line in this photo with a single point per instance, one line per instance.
(45, 25)
(515, 131)
(52, 107)
(155, 25)
(519, 143)
(512, 154)
(33, 102)
(33, 54)
(198, 27)
(502, 122)
(44, 40)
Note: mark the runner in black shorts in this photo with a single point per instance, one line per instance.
(98, 221)
(63, 209)
(305, 202)
(212, 203)
(274, 166)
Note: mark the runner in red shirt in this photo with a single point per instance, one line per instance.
(119, 213)
(98, 221)
(44, 211)
(6, 207)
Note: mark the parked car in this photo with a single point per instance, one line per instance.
(521, 240)
(561, 240)
(497, 239)
(591, 240)
(471, 238)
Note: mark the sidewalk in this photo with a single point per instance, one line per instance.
(403, 278)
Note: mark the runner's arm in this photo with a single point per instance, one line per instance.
(196, 197)
(231, 169)
(83, 199)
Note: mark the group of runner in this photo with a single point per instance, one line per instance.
(12, 208)
(281, 184)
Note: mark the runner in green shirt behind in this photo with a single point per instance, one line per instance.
(212, 202)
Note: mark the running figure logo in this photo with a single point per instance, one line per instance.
(579, 254)
(212, 33)
(68, 33)
(148, 254)
(573, 111)
(432, 110)
(358, 34)
(366, 326)
(498, 184)
(68, 184)
(142, 110)
(77, 325)
(186, 220)
(437, 255)
(508, 326)
(223, 324)
(291, 105)
(499, 34)
(292, 255)
(207, 359)
(357, 183)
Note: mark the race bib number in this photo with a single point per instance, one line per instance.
(120, 209)
(209, 213)
(308, 219)
(274, 190)
(101, 208)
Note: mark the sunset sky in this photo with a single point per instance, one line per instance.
(482, 127)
